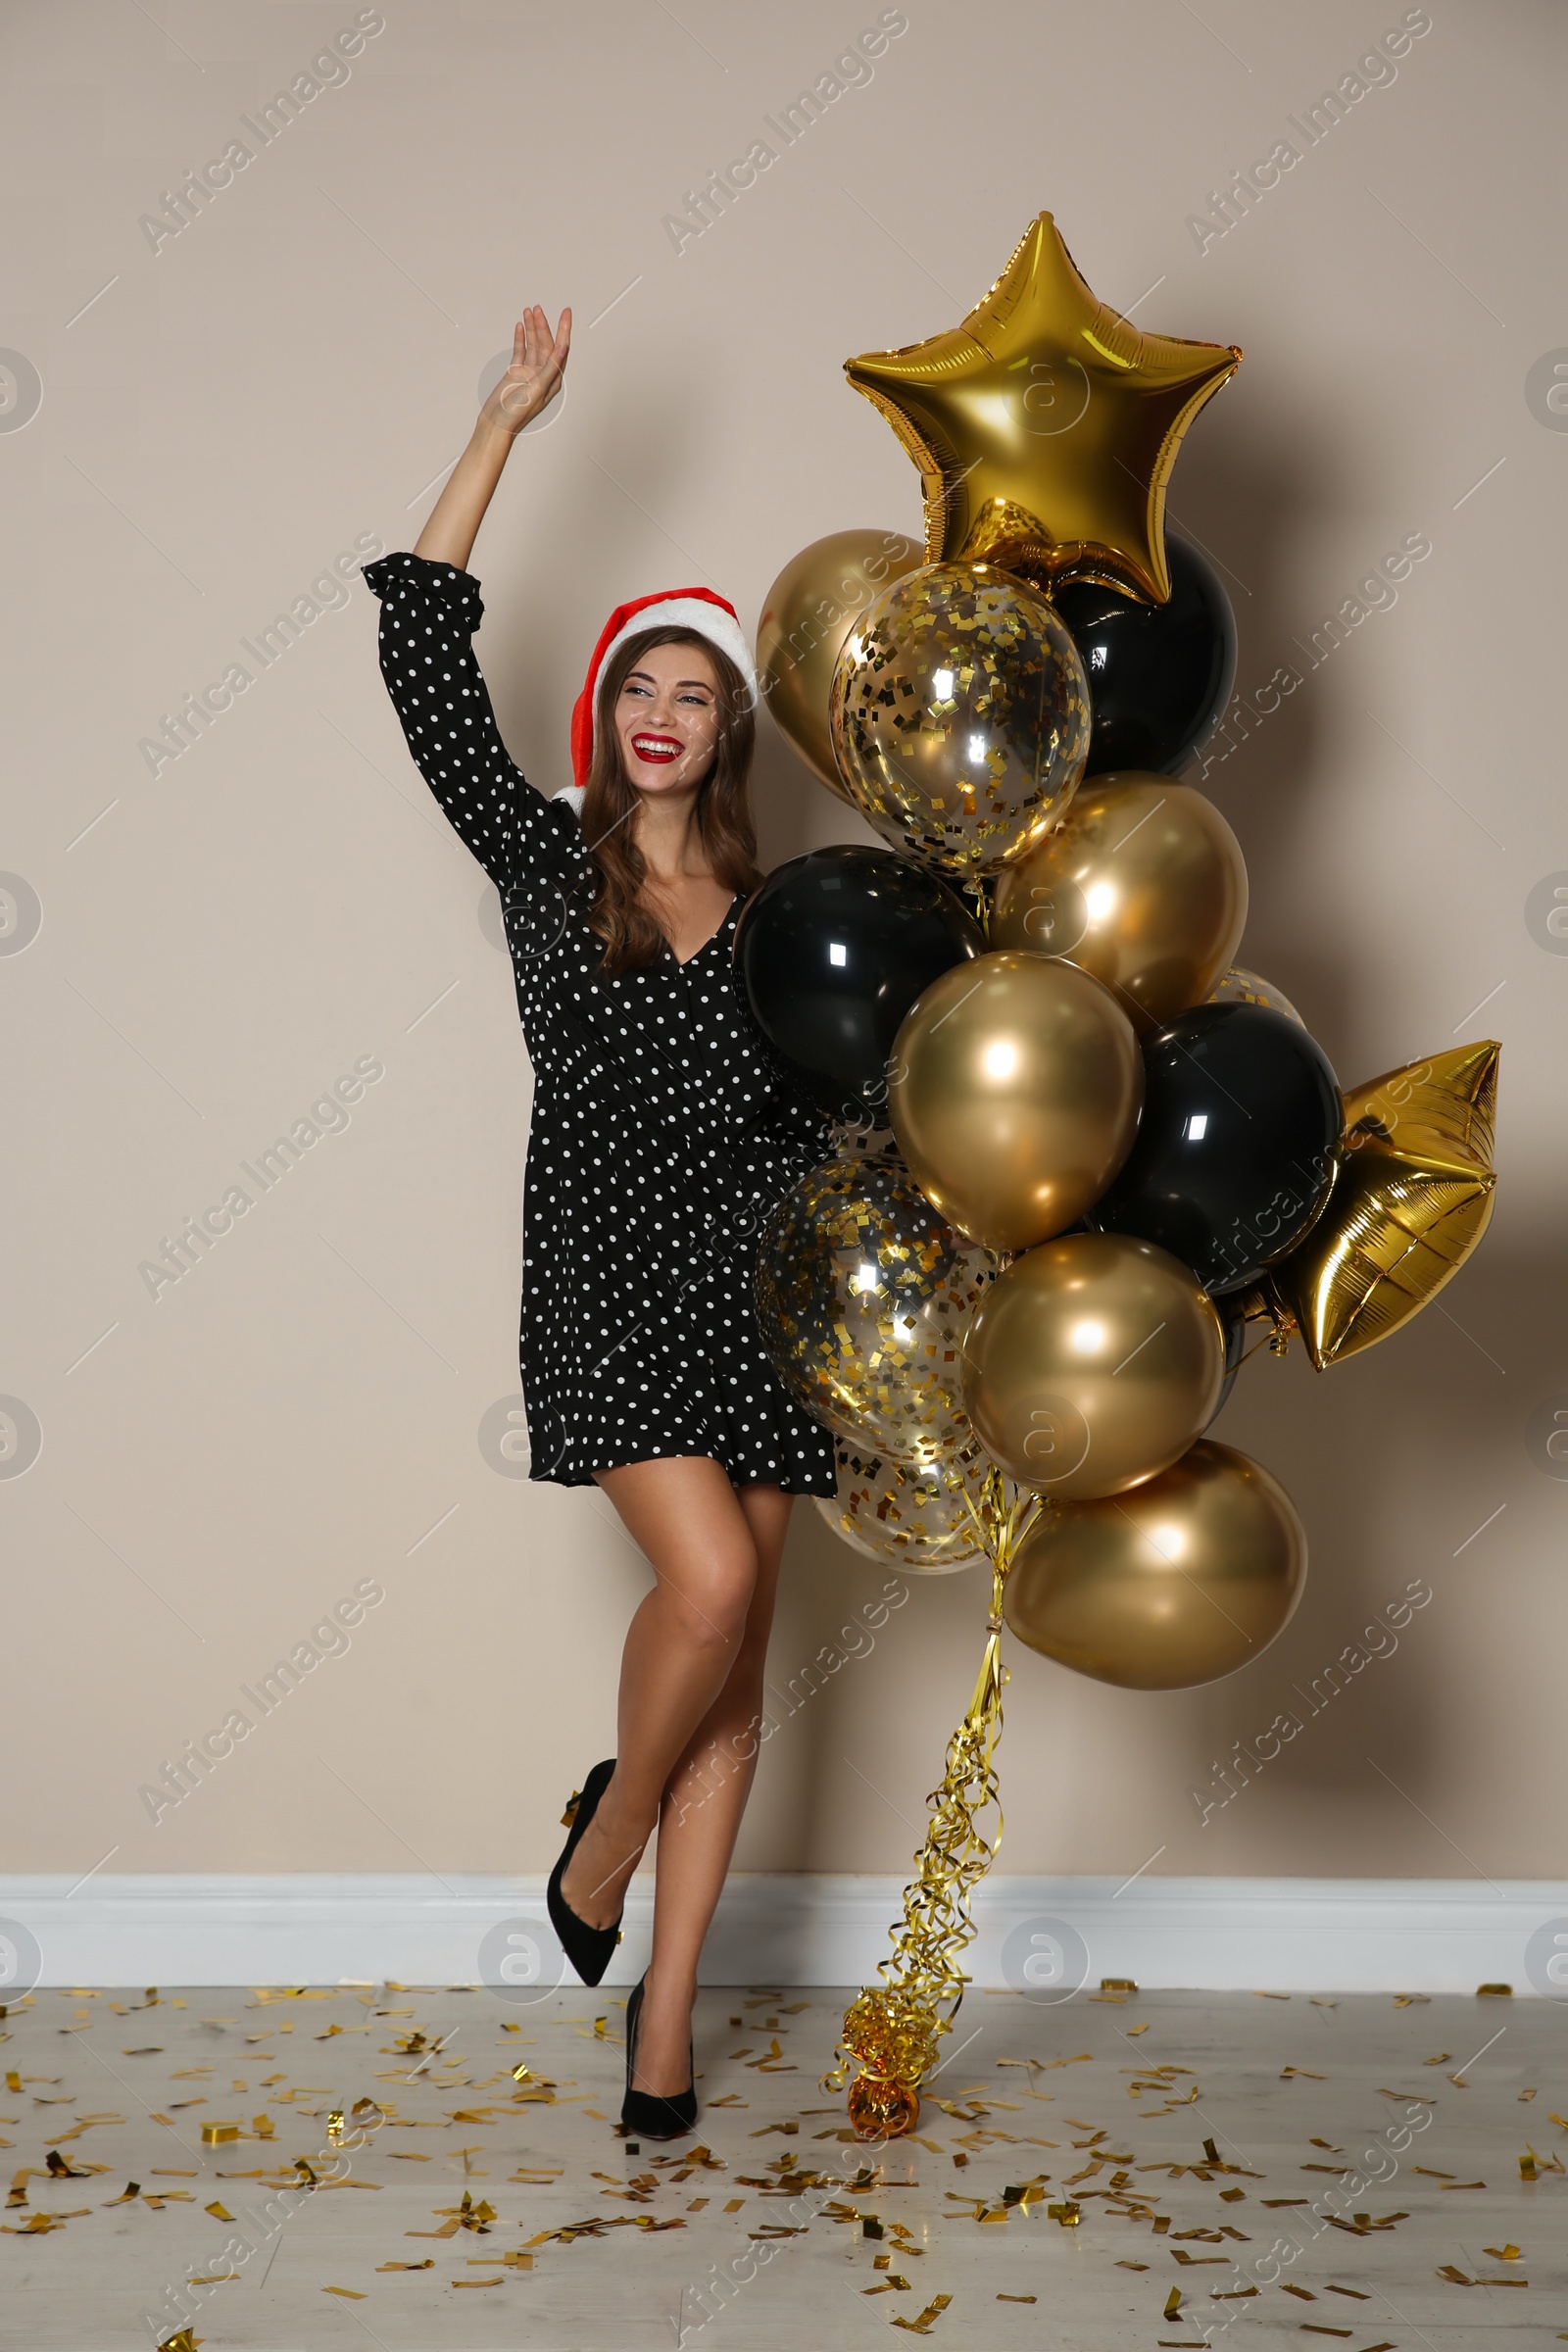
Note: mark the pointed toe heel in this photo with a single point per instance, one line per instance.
(589, 1949)
(643, 2114)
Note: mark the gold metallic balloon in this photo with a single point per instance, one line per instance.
(1014, 1088)
(1412, 1197)
(1046, 426)
(862, 1294)
(1091, 1363)
(1238, 986)
(912, 1514)
(1179, 1582)
(961, 716)
(1143, 883)
(806, 614)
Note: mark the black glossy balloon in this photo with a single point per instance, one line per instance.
(1237, 1146)
(833, 949)
(1159, 675)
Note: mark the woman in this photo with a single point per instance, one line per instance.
(663, 1131)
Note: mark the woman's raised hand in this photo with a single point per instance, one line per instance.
(531, 382)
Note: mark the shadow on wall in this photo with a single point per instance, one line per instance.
(1398, 1461)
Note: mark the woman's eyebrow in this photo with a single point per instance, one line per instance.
(648, 677)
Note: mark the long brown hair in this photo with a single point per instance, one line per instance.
(632, 937)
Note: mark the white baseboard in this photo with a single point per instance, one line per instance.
(1221, 1934)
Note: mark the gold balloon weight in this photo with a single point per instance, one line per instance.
(961, 716)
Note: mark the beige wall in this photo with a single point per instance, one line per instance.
(221, 941)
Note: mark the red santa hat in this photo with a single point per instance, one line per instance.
(697, 609)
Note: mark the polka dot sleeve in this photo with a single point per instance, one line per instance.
(429, 613)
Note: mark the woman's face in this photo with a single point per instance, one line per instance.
(666, 719)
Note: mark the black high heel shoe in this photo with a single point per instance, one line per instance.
(589, 1949)
(643, 2114)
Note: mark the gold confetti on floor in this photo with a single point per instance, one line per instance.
(529, 2191)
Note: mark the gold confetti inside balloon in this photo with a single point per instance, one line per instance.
(1412, 1197)
(862, 1293)
(912, 1513)
(1014, 1088)
(1238, 986)
(806, 614)
(1046, 426)
(1174, 1583)
(1091, 1363)
(959, 717)
(881, 2110)
(1143, 884)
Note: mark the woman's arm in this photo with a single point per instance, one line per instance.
(530, 384)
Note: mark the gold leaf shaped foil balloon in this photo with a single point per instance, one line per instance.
(1238, 986)
(1046, 426)
(912, 1513)
(1014, 1088)
(1143, 884)
(1091, 1363)
(1412, 1197)
(1178, 1582)
(960, 717)
(863, 1291)
(806, 614)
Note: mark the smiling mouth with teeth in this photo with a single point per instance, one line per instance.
(661, 748)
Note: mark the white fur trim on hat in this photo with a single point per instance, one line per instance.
(703, 619)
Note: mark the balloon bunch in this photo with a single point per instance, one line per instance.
(1082, 1160)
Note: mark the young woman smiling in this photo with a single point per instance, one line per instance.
(663, 1131)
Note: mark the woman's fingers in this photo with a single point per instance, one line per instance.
(538, 359)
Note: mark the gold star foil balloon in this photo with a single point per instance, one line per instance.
(1046, 426)
(1412, 1197)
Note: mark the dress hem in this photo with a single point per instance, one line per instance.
(668, 1454)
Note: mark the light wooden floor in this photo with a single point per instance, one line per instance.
(766, 2236)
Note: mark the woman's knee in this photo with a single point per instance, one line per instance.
(713, 1594)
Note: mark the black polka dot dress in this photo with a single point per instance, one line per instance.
(664, 1128)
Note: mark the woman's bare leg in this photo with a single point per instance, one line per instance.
(684, 1515)
(700, 1817)
(715, 1552)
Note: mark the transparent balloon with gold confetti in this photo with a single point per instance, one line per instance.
(915, 1514)
(862, 1294)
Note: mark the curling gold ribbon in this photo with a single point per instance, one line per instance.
(893, 2030)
